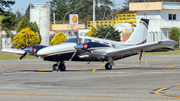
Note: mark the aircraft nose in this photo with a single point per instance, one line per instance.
(41, 52)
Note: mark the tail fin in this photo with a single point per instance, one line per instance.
(139, 36)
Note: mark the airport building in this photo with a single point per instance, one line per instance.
(162, 17)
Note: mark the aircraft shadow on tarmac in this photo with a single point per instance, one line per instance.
(101, 69)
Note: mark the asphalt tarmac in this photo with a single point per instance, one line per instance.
(33, 80)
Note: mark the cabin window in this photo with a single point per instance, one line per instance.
(72, 40)
(106, 43)
(172, 17)
(114, 46)
(87, 40)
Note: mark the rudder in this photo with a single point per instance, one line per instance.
(139, 36)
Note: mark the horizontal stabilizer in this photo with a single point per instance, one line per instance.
(144, 47)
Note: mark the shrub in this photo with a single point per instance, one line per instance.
(92, 33)
(25, 23)
(58, 39)
(174, 35)
(21, 41)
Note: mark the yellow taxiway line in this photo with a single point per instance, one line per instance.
(161, 89)
(88, 96)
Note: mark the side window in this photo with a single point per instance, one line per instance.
(106, 43)
(80, 40)
(114, 46)
(96, 41)
(87, 40)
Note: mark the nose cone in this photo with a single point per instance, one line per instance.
(27, 49)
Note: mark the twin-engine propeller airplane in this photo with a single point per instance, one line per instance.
(95, 49)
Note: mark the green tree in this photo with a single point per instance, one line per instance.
(108, 33)
(10, 21)
(58, 39)
(18, 15)
(104, 33)
(83, 8)
(1, 28)
(27, 14)
(5, 4)
(34, 27)
(23, 23)
(60, 9)
(21, 40)
(174, 35)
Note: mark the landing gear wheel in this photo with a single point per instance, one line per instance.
(62, 67)
(108, 66)
(55, 68)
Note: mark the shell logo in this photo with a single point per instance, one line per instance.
(74, 19)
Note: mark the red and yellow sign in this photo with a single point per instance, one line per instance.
(74, 19)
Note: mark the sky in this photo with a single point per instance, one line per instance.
(21, 5)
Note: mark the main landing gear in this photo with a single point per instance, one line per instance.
(59, 66)
(108, 66)
(110, 63)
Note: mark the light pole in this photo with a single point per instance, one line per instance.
(93, 13)
(66, 14)
(173, 15)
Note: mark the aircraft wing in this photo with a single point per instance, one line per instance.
(138, 48)
(16, 51)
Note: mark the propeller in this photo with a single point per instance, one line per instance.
(22, 56)
(77, 36)
(80, 46)
(73, 55)
(29, 49)
(28, 37)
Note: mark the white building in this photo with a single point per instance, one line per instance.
(162, 17)
(40, 13)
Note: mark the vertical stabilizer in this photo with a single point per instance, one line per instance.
(139, 36)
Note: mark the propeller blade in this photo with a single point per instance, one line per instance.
(35, 54)
(28, 37)
(77, 36)
(73, 55)
(23, 55)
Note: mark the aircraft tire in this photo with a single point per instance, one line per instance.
(108, 66)
(54, 67)
(62, 67)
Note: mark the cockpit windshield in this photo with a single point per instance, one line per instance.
(72, 40)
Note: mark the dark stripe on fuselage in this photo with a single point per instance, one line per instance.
(67, 56)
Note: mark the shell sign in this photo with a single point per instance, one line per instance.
(73, 18)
